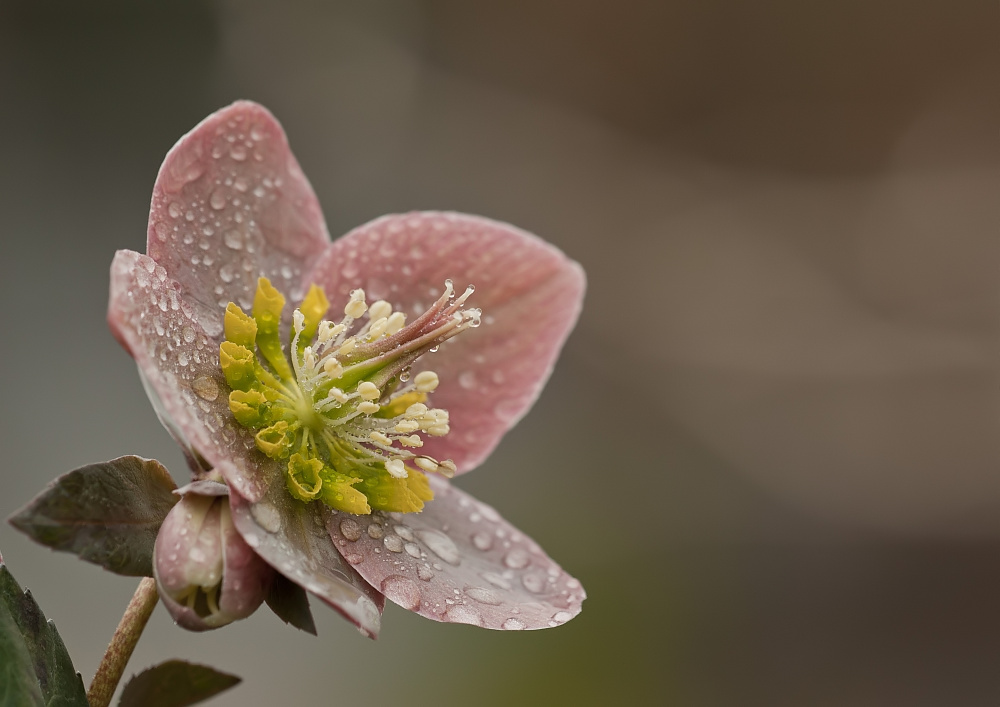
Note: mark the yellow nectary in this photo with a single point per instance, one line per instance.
(340, 411)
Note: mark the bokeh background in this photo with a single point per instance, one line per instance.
(770, 449)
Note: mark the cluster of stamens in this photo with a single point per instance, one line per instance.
(345, 415)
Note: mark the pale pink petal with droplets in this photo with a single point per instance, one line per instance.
(231, 204)
(292, 537)
(458, 561)
(179, 364)
(529, 291)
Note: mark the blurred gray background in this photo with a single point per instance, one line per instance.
(770, 449)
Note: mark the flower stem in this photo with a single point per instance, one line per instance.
(109, 672)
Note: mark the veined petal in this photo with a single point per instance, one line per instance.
(458, 561)
(529, 291)
(179, 363)
(291, 536)
(231, 204)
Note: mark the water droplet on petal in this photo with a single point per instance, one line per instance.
(350, 529)
(218, 200)
(484, 595)
(238, 152)
(483, 540)
(516, 559)
(425, 573)
(441, 545)
(233, 239)
(404, 532)
(412, 550)
(206, 388)
(513, 624)
(393, 543)
(561, 617)
(402, 590)
(267, 517)
(462, 614)
(533, 582)
(375, 531)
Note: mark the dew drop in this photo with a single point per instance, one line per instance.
(483, 540)
(533, 582)
(206, 388)
(350, 529)
(350, 270)
(412, 550)
(513, 624)
(441, 545)
(162, 230)
(402, 590)
(375, 531)
(484, 595)
(183, 358)
(496, 580)
(218, 200)
(238, 152)
(516, 559)
(561, 617)
(462, 614)
(354, 558)
(267, 517)
(425, 573)
(404, 532)
(393, 543)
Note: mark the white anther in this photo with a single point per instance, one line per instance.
(379, 309)
(325, 332)
(448, 468)
(407, 426)
(396, 468)
(368, 408)
(449, 289)
(415, 410)
(298, 320)
(377, 328)
(338, 395)
(380, 438)
(395, 323)
(347, 346)
(426, 381)
(411, 441)
(333, 368)
(369, 391)
(427, 464)
(309, 357)
(356, 307)
(438, 430)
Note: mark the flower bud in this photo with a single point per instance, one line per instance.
(206, 574)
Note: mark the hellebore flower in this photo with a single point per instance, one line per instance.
(207, 575)
(336, 421)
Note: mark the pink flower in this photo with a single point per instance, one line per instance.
(334, 434)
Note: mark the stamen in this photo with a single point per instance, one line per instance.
(396, 469)
(368, 408)
(333, 368)
(379, 309)
(356, 307)
(369, 391)
(426, 381)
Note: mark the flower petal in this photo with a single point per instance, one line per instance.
(179, 364)
(230, 204)
(529, 291)
(458, 561)
(291, 537)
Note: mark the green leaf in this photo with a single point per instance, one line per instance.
(35, 668)
(107, 513)
(291, 604)
(175, 683)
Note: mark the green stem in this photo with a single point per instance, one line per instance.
(112, 666)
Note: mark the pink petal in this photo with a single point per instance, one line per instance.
(291, 537)
(529, 291)
(179, 363)
(230, 204)
(458, 561)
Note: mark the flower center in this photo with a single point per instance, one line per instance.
(340, 410)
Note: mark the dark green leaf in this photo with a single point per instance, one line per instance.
(175, 683)
(107, 513)
(35, 668)
(291, 604)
